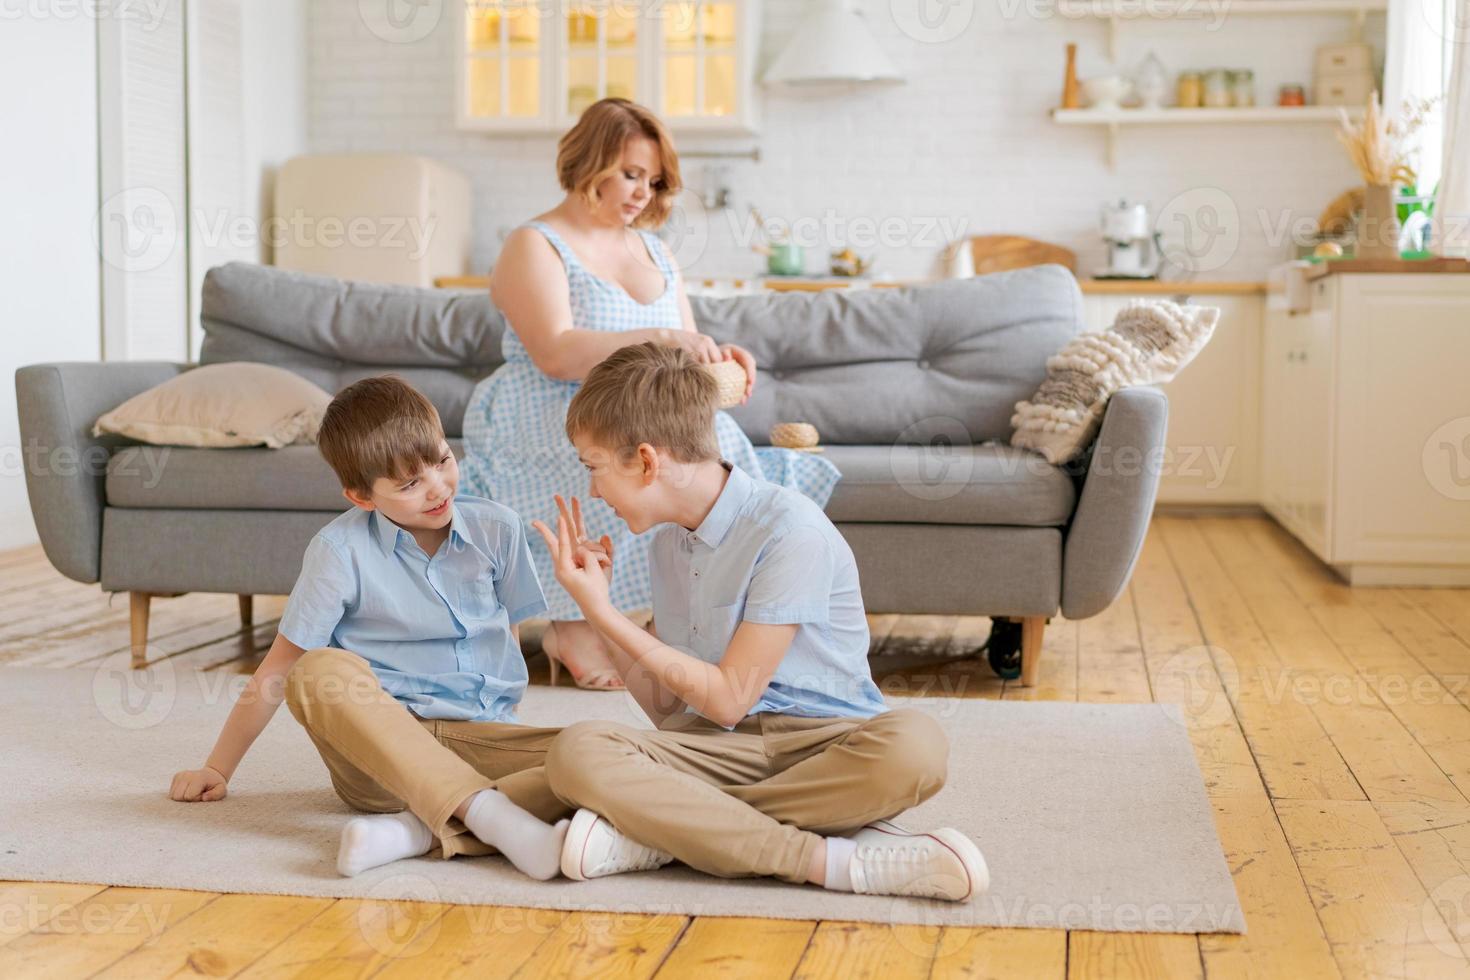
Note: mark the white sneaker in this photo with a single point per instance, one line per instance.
(942, 863)
(595, 849)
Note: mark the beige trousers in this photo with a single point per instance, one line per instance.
(756, 800)
(753, 801)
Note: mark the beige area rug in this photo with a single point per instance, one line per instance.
(1090, 816)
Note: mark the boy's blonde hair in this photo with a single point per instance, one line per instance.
(592, 150)
(649, 393)
(379, 427)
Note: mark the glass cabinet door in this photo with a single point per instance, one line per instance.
(699, 59)
(503, 59)
(600, 54)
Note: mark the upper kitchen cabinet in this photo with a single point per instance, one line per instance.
(528, 67)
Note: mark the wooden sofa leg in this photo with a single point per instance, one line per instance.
(247, 611)
(138, 606)
(1031, 629)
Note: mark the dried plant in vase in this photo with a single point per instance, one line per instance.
(1379, 147)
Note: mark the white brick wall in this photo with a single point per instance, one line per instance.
(966, 140)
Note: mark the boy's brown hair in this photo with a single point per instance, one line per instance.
(379, 427)
(592, 150)
(649, 393)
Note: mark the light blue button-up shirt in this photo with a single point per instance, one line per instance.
(436, 630)
(767, 554)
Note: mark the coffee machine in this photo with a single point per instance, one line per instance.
(1133, 247)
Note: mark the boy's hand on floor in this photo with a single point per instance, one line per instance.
(198, 786)
(581, 570)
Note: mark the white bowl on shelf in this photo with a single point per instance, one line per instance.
(1105, 91)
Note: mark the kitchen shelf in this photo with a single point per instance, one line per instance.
(1115, 11)
(1168, 116)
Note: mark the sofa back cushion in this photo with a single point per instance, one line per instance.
(947, 360)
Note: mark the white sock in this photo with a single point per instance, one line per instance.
(530, 844)
(368, 842)
(839, 856)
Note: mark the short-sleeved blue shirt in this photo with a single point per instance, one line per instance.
(436, 630)
(766, 554)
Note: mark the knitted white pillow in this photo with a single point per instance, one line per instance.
(1149, 343)
(239, 403)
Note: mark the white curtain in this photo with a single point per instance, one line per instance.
(1452, 206)
(1414, 69)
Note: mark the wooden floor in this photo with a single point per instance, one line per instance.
(1332, 726)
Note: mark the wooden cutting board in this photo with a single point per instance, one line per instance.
(997, 253)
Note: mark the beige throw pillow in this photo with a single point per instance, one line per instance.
(1149, 343)
(235, 404)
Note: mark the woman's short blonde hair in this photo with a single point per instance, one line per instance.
(592, 150)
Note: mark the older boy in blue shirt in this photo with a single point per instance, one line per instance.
(773, 742)
(399, 653)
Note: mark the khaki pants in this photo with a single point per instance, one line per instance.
(383, 759)
(756, 800)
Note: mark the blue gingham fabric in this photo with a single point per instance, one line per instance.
(517, 452)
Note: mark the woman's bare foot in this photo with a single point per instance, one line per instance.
(579, 647)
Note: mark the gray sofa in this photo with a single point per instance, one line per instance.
(912, 390)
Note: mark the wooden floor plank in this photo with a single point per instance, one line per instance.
(1056, 679)
(1294, 754)
(1388, 762)
(79, 941)
(1374, 909)
(1110, 663)
(999, 954)
(737, 948)
(1121, 954)
(479, 941)
(220, 939)
(28, 905)
(616, 945)
(1450, 606)
(352, 938)
(862, 951)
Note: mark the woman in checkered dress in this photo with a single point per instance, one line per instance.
(620, 173)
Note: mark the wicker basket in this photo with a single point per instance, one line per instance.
(731, 379)
(794, 435)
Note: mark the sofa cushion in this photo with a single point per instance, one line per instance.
(986, 484)
(989, 484)
(291, 478)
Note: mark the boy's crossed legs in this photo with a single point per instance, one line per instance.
(759, 800)
(474, 787)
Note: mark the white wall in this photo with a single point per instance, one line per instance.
(967, 141)
(49, 306)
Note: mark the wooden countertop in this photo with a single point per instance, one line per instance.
(1096, 287)
(1435, 266)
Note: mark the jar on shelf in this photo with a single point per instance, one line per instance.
(1242, 87)
(1216, 89)
(1189, 90)
(1292, 95)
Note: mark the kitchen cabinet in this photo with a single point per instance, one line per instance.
(1213, 442)
(529, 66)
(1366, 426)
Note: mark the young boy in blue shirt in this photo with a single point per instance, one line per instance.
(399, 653)
(773, 742)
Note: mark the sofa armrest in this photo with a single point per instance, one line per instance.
(1116, 501)
(65, 466)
